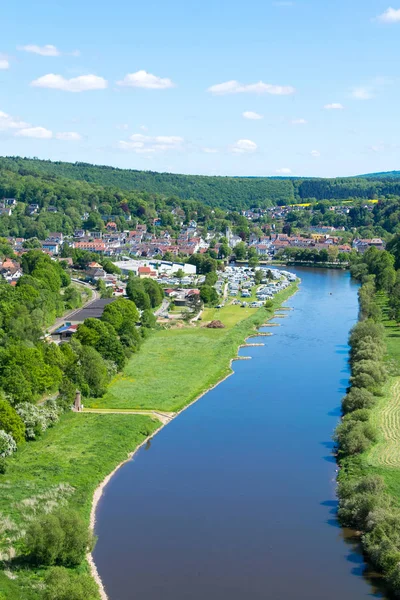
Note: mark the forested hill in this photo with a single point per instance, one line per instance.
(224, 192)
(383, 175)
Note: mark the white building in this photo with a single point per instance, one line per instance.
(161, 266)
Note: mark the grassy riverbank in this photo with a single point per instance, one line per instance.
(64, 466)
(175, 366)
(69, 461)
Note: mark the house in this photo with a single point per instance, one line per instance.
(94, 246)
(10, 201)
(144, 272)
(6, 211)
(95, 271)
(33, 209)
(55, 237)
(52, 209)
(10, 270)
(111, 226)
(65, 332)
(363, 245)
(51, 247)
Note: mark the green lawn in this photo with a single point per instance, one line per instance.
(65, 465)
(175, 366)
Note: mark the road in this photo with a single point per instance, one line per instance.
(163, 308)
(61, 320)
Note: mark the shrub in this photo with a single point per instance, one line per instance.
(58, 538)
(354, 437)
(363, 380)
(37, 418)
(3, 470)
(357, 398)
(7, 444)
(62, 584)
(11, 422)
(357, 501)
(372, 368)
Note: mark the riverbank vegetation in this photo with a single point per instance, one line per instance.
(60, 470)
(368, 435)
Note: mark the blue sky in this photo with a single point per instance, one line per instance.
(309, 87)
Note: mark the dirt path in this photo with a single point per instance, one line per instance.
(164, 417)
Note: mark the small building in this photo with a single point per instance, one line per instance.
(144, 272)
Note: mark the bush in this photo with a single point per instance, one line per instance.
(11, 422)
(37, 418)
(3, 470)
(372, 368)
(58, 538)
(357, 398)
(354, 437)
(7, 444)
(358, 500)
(62, 584)
(363, 380)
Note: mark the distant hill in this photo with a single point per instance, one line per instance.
(236, 193)
(224, 192)
(384, 175)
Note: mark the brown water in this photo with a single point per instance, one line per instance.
(235, 499)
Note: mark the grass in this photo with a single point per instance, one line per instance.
(384, 457)
(175, 366)
(64, 466)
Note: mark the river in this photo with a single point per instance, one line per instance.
(235, 499)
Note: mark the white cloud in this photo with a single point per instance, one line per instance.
(142, 79)
(334, 106)
(69, 136)
(315, 153)
(4, 63)
(122, 126)
(234, 87)
(391, 15)
(244, 147)
(210, 150)
(82, 83)
(283, 171)
(362, 93)
(39, 133)
(48, 50)
(143, 128)
(9, 122)
(146, 144)
(252, 116)
(299, 122)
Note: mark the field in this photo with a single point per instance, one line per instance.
(64, 466)
(174, 366)
(384, 457)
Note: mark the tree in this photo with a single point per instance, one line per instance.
(58, 538)
(208, 294)
(240, 251)
(148, 319)
(11, 422)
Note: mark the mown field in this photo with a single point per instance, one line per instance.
(64, 466)
(174, 366)
(384, 456)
